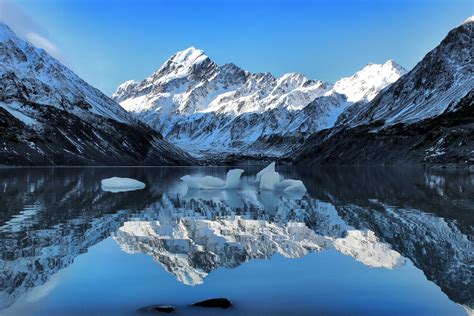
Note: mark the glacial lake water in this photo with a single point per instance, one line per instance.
(361, 241)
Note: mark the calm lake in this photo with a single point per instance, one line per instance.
(361, 241)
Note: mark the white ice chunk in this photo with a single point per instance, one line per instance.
(232, 179)
(116, 184)
(267, 169)
(269, 179)
(208, 182)
(292, 186)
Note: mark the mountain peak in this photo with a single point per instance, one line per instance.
(469, 20)
(6, 32)
(365, 84)
(180, 65)
(188, 57)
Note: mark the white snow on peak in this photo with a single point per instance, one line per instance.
(469, 19)
(365, 84)
(124, 88)
(189, 56)
(179, 65)
(127, 84)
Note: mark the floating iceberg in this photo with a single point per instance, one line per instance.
(269, 179)
(116, 184)
(232, 181)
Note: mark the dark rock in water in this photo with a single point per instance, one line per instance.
(215, 302)
(159, 308)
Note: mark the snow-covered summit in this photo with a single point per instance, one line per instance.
(469, 20)
(188, 57)
(442, 78)
(124, 89)
(365, 84)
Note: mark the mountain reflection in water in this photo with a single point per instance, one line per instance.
(379, 216)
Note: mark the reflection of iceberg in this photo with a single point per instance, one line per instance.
(208, 182)
(269, 179)
(116, 184)
(231, 198)
(267, 200)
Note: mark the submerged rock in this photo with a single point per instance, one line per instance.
(215, 302)
(159, 308)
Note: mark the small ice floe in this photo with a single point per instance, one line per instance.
(232, 181)
(269, 179)
(116, 184)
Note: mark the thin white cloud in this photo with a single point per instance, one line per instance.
(27, 28)
(41, 41)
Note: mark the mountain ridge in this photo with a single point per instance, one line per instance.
(424, 117)
(211, 109)
(50, 116)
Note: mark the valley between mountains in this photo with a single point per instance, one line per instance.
(194, 111)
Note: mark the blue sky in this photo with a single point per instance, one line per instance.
(107, 42)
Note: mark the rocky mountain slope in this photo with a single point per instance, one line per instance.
(212, 109)
(442, 78)
(426, 116)
(48, 115)
(445, 139)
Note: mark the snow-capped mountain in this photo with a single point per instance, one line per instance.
(442, 78)
(204, 107)
(426, 116)
(48, 115)
(365, 84)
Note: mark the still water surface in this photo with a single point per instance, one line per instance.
(361, 241)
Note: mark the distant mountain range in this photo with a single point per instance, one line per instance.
(224, 114)
(211, 109)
